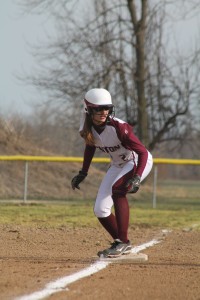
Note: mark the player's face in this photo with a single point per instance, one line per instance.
(100, 115)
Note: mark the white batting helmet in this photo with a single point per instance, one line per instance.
(98, 98)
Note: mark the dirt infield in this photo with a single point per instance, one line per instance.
(32, 257)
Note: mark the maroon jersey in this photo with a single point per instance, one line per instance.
(119, 142)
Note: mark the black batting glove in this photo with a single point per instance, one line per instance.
(78, 179)
(133, 184)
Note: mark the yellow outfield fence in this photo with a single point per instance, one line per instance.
(28, 158)
(95, 160)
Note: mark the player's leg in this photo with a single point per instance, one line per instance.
(121, 220)
(121, 205)
(116, 225)
(119, 191)
(104, 203)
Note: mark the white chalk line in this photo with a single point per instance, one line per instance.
(62, 283)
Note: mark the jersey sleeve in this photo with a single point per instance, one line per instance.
(131, 142)
(87, 158)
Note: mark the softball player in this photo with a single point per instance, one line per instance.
(131, 162)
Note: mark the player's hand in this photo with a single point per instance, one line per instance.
(78, 179)
(133, 184)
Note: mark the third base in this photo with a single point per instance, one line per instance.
(132, 257)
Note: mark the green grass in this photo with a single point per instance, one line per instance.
(172, 219)
(177, 206)
(46, 215)
(81, 214)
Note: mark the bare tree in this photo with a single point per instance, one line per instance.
(119, 45)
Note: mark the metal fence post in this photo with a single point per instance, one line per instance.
(155, 185)
(25, 181)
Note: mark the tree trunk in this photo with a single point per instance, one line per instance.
(140, 74)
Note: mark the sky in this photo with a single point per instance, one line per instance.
(16, 30)
(15, 58)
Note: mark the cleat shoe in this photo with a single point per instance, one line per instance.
(117, 248)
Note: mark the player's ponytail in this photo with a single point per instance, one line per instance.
(86, 132)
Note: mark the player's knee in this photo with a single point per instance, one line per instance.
(101, 212)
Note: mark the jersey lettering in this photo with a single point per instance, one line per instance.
(109, 149)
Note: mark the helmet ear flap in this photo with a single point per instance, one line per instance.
(112, 111)
(87, 109)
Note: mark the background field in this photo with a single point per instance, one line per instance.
(81, 214)
(177, 205)
(45, 240)
(54, 233)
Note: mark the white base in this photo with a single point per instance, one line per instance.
(132, 257)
